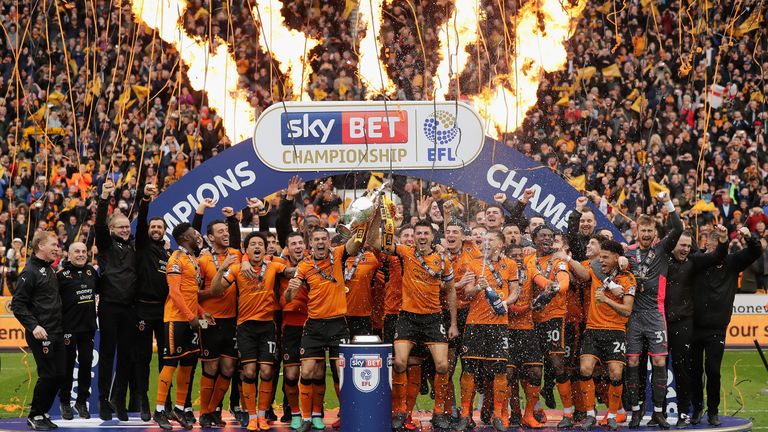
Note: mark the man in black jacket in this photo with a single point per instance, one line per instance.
(117, 293)
(37, 305)
(713, 306)
(151, 292)
(77, 287)
(581, 226)
(678, 307)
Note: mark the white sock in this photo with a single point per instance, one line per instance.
(658, 409)
(591, 413)
(611, 415)
(188, 409)
(180, 407)
(252, 416)
(261, 413)
(621, 411)
(159, 407)
(635, 407)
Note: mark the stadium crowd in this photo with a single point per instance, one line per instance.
(94, 109)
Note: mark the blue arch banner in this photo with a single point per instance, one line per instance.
(441, 142)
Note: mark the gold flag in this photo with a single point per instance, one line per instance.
(656, 188)
(612, 71)
(579, 183)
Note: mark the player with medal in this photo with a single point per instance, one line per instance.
(648, 262)
(320, 277)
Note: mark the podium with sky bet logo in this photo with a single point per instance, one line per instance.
(365, 384)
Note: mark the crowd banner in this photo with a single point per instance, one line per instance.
(437, 141)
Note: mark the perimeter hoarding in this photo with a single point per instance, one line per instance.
(440, 141)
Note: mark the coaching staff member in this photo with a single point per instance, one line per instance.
(151, 292)
(712, 309)
(37, 305)
(77, 287)
(117, 291)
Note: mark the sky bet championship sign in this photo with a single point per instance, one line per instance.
(439, 141)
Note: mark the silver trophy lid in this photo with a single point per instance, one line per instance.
(366, 339)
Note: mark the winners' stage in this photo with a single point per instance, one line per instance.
(729, 424)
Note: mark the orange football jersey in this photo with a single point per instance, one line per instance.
(225, 305)
(184, 281)
(549, 267)
(421, 290)
(325, 297)
(480, 311)
(601, 316)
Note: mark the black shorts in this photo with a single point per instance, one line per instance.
(487, 342)
(219, 340)
(551, 336)
(390, 328)
(605, 345)
(461, 323)
(572, 340)
(292, 345)
(257, 342)
(321, 335)
(359, 325)
(523, 349)
(180, 340)
(421, 328)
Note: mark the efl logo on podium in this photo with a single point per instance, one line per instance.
(365, 372)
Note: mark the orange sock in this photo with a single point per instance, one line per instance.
(441, 392)
(292, 393)
(318, 396)
(306, 390)
(219, 390)
(164, 383)
(399, 381)
(183, 376)
(531, 397)
(249, 395)
(588, 393)
(265, 393)
(577, 394)
(614, 396)
(467, 381)
(413, 387)
(207, 383)
(565, 396)
(500, 395)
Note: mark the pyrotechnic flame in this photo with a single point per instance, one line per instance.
(286, 45)
(370, 67)
(537, 50)
(212, 71)
(454, 37)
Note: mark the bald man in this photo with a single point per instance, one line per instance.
(77, 288)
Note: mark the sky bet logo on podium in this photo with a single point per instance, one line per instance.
(441, 130)
(372, 135)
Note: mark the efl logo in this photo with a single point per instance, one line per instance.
(441, 129)
(344, 127)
